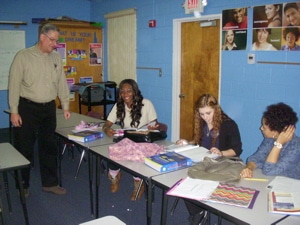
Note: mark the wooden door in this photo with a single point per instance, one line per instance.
(200, 49)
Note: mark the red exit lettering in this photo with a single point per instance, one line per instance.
(192, 4)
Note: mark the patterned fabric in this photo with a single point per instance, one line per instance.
(130, 150)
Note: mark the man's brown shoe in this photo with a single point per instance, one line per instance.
(55, 190)
(115, 182)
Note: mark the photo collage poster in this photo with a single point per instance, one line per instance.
(275, 27)
(234, 29)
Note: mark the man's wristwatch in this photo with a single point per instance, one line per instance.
(278, 145)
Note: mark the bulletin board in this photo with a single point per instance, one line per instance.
(11, 42)
(80, 46)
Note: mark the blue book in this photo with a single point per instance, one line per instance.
(168, 161)
(86, 136)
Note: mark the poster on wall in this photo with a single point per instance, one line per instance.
(234, 29)
(11, 42)
(276, 27)
(61, 49)
(95, 54)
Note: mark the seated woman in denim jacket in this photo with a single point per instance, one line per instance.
(279, 152)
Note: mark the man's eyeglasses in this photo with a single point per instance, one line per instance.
(52, 39)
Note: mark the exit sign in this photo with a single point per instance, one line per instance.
(192, 5)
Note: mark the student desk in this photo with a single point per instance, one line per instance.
(65, 127)
(234, 214)
(12, 160)
(139, 169)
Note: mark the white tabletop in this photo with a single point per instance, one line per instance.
(256, 215)
(74, 120)
(106, 220)
(10, 158)
(59, 111)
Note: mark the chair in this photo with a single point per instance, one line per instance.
(162, 126)
(71, 146)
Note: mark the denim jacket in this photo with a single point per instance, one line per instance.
(288, 163)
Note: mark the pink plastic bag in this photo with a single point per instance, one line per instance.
(132, 151)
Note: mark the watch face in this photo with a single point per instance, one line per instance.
(278, 145)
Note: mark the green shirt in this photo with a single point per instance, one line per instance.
(38, 77)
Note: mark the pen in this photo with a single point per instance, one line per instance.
(256, 179)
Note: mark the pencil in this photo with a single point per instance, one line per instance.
(256, 179)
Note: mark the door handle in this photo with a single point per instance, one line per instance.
(181, 96)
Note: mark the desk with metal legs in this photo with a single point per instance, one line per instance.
(12, 160)
(138, 169)
(258, 215)
(64, 128)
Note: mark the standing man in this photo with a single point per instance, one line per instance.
(36, 78)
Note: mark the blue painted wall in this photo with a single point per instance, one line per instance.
(246, 89)
(20, 10)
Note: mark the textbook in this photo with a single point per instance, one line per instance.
(168, 161)
(284, 202)
(194, 152)
(85, 136)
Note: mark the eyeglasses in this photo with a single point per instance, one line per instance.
(52, 39)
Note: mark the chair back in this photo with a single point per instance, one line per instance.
(94, 114)
(162, 126)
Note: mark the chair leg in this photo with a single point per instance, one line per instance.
(79, 164)
(103, 166)
(1, 211)
(64, 149)
(5, 178)
(138, 190)
(174, 205)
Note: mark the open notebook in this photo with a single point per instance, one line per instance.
(194, 152)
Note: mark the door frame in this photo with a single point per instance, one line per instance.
(176, 67)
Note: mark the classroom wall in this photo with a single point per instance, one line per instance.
(20, 10)
(246, 89)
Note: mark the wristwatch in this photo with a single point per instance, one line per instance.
(278, 145)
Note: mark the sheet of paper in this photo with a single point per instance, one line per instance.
(193, 188)
(284, 184)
